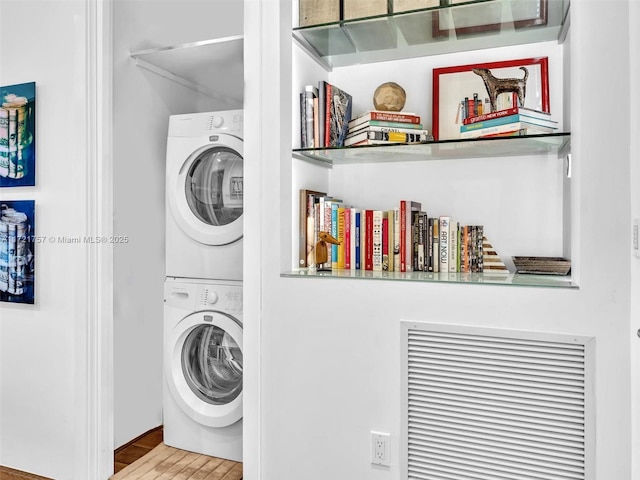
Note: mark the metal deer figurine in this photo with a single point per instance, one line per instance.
(495, 86)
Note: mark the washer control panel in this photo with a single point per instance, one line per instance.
(221, 297)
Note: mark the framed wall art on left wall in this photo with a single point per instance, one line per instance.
(18, 135)
(17, 252)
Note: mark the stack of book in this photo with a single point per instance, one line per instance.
(378, 127)
(325, 111)
(514, 121)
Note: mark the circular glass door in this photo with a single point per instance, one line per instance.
(214, 186)
(212, 364)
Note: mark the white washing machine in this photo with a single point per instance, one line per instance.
(204, 192)
(202, 388)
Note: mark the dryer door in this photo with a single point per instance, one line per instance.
(206, 195)
(203, 367)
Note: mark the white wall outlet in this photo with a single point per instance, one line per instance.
(380, 449)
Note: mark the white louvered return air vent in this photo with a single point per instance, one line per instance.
(489, 404)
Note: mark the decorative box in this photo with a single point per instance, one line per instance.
(315, 12)
(404, 5)
(364, 8)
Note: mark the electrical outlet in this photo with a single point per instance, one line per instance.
(380, 449)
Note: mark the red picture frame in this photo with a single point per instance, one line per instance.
(452, 84)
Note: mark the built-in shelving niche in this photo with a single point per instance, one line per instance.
(555, 145)
(467, 26)
(211, 67)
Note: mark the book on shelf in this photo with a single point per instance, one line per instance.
(326, 225)
(464, 248)
(508, 129)
(385, 116)
(342, 237)
(381, 123)
(379, 135)
(396, 239)
(377, 241)
(307, 126)
(419, 263)
(335, 205)
(385, 241)
(453, 246)
(390, 235)
(350, 260)
(316, 123)
(522, 111)
(355, 264)
(337, 113)
(368, 239)
(322, 104)
(414, 240)
(380, 128)
(444, 243)
(308, 231)
(408, 209)
(514, 118)
(429, 253)
(435, 239)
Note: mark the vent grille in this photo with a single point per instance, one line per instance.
(481, 406)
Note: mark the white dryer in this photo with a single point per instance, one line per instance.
(204, 195)
(203, 362)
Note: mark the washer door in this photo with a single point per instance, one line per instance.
(207, 195)
(203, 367)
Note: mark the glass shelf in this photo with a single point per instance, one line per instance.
(472, 25)
(546, 144)
(213, 67)
(510, 279)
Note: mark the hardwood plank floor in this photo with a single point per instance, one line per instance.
(136, 448)
(7, 473)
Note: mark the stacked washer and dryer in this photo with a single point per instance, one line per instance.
(203, 356)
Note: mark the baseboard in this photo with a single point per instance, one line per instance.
(131, 442)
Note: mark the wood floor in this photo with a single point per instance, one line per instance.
(136, 448)
(151, 459)
(7, 473)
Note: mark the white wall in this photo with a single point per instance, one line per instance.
(634, 145)
(330, 348)
(143, 102)
(45, 362)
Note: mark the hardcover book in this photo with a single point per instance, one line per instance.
(358, 240)
(523, 111)
(402, 117)
(377, 241)
(511, 129)
(444, 244)
(453, 246)
(307, 238)
(509, 119)
(337, 113)
(407, 207)
(376, 136)
(368, 239)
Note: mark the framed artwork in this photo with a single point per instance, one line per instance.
(17, 254)
(18, 135)
(476, 16)
(453, 87)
